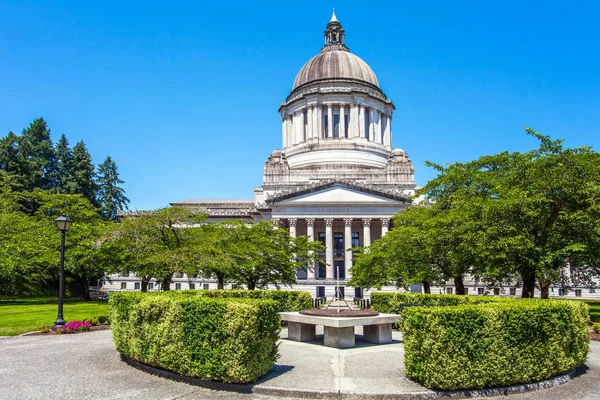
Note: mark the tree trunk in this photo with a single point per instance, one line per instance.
(166, 283)
(459, 284)
(145, 281)
(528, 285)
(251, 285)
(545, 289)
(426, 287)
(220, 281)
(85, 287)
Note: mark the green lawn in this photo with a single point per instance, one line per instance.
(25, 315)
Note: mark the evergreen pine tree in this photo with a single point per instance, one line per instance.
(63, 157)
(9, 153)
(111, 197)
(38, 160)
(81, 174)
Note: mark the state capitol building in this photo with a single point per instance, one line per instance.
(336, 179)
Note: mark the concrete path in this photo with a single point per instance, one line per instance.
(87, 366)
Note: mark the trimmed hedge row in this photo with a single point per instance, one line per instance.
(471, 346)
(230, 340)
(389, 302)
(288, 300)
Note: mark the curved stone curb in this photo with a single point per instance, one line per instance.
(257, 388)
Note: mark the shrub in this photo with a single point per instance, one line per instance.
(596, 327)
(231, 340)
(503, 343)
(386, 302)
(45, 329)
(288, 300)
(102, 319)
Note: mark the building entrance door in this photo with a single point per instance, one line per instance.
(339, 294)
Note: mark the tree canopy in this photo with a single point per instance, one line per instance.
(530, 218)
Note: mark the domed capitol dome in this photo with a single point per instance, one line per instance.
(335, 63)
(337, 124)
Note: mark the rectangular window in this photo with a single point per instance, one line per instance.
(136, 286)
(347, 119)
(577, 292)
(358, 292)
(192, 286)
(178, 286)
(123, 285)
(151, 286)
(205, 286)
(513, 291)
(301, 273)
(321, 270)
(322, 238)
(338, 244)
(449, 290)
(367, 122)
(480, 291)
(496, 291)
(561, 292)
(466, 290)
(321, 291)
(355, 239)
(340, 292)
(325, 125)
(339, 266)
(336, 126)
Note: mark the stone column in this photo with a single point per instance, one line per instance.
(329, 250)
(342, 120)
(292, 222)
(296, 124)
(361, 121)
(302, 126)
(283, 132)
(290, 131)
(366, 232)
(309, 116)
(310, 232)
(329, 120)
(371, 125)
(385, 225)
(378, 127)
(387, 137)
(319, 121)
(276, 222)
(353, 123)
(348, 245)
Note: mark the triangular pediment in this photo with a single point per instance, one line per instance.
(337, 193)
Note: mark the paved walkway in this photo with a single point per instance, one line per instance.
(87, 366)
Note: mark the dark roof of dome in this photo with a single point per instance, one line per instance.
(335, 63)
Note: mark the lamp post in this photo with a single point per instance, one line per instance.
(63, 224)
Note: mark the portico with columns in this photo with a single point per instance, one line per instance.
(341, 215)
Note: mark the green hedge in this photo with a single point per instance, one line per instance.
(288, 300)
(388, 302)
(503, 343)
(230, 340)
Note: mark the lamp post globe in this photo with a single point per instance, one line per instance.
(63, 223)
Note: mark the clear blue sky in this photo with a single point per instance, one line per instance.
(184, 95)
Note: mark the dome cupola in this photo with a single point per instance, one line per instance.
(336, 122)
